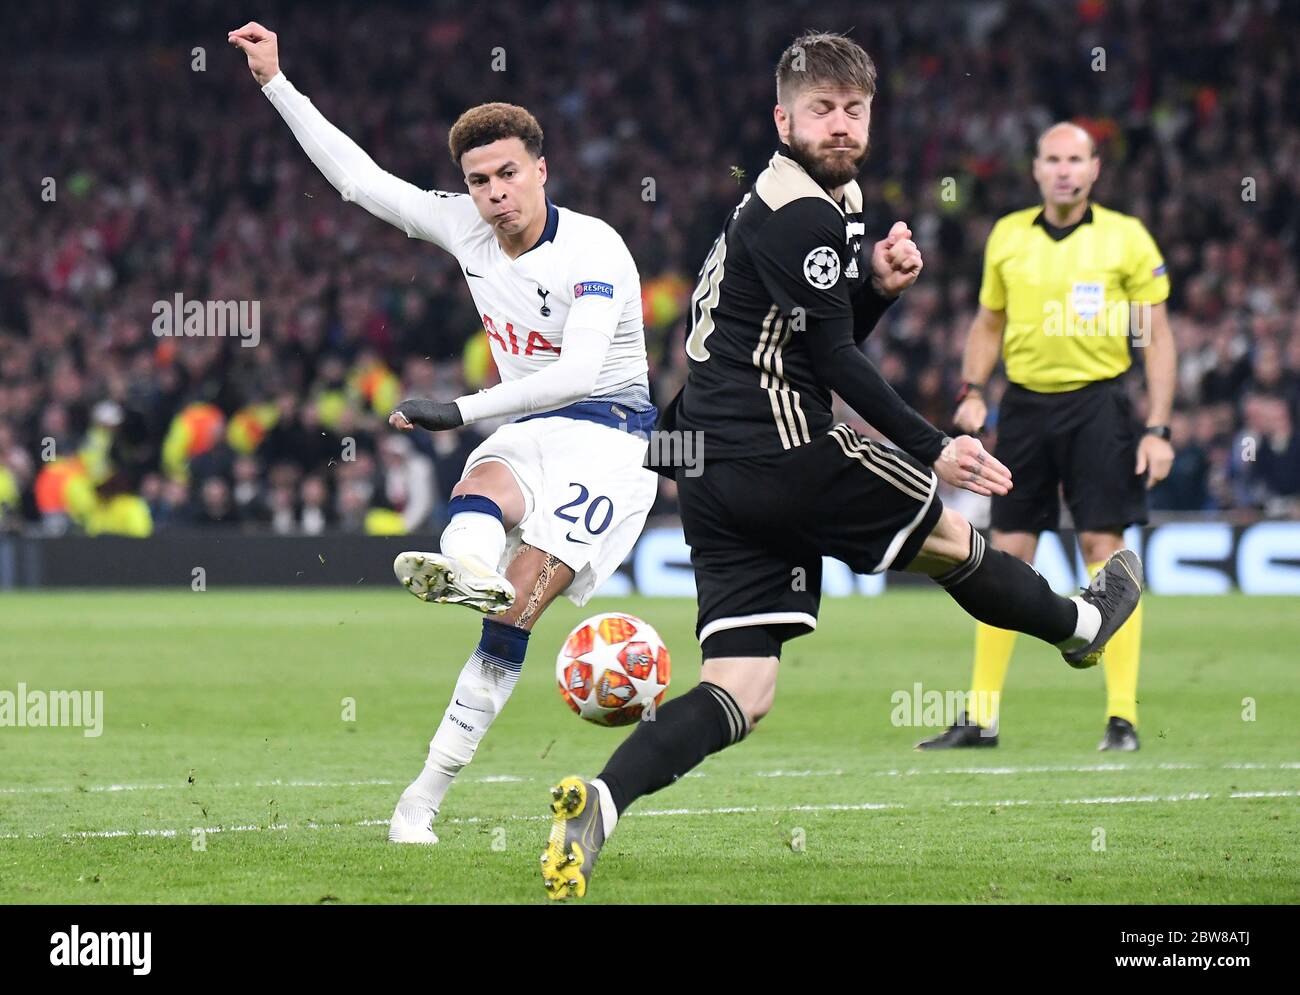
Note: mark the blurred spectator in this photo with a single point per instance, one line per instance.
(173, 509)
(314, 515)
(215, 505)
(1266, 472)
(283, 510)
(1186, 488)
(249, 492)
(406, 483)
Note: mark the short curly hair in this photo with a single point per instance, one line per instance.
(488, 123)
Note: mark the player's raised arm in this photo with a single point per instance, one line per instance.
(344, 163)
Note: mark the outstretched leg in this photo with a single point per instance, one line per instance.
(1001, 590)
(482, 690)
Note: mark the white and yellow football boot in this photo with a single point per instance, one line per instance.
(464, 580)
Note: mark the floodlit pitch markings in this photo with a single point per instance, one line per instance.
(1105, 768)
(658, 813)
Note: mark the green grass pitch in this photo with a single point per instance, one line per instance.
(225, 712)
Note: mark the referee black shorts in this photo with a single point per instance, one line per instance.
(758, 528)
(1081, 441)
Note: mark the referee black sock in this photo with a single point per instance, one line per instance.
(685, 731)
(1001, 590)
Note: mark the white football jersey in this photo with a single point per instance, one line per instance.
(580, 274)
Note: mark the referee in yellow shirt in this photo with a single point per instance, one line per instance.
(1065, 286)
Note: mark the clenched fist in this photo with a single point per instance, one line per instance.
(895, 261)
(262, 49)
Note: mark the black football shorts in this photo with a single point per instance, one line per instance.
(758, 527)
(1083, 442)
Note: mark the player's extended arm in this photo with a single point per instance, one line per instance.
(1155, 454)
(840, 365)
(344, 163)
(961, 462)
(570, 378)
(983, 347)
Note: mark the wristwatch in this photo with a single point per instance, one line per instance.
(967, 389)
(1159, 431)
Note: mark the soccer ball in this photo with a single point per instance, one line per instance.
(611, 667)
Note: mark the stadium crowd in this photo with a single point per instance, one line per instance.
(140, 161)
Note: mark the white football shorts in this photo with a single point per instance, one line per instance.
(586, 494)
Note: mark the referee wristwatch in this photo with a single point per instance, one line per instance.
(969, 388)
(1159, 431)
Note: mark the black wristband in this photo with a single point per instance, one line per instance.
(1159, 431)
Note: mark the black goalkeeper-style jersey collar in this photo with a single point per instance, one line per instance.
(1057, 234)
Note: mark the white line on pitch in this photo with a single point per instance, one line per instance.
(174, 786)
(1102, 768)
(1190, 796)
(1265, 794)
(653, 813)
(1034, 769)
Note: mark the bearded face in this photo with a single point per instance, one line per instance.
(826, 128)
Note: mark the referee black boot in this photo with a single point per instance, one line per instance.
(1120, 735)
(963, 732)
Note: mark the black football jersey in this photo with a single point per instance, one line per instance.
(782, 302)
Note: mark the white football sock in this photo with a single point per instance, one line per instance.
(481, 692)
(608, 813)
(475, 533)
(1085, 629)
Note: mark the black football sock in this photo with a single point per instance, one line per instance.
(685, 731)
(1001, 590)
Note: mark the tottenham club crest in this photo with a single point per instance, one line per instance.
(821, 267)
